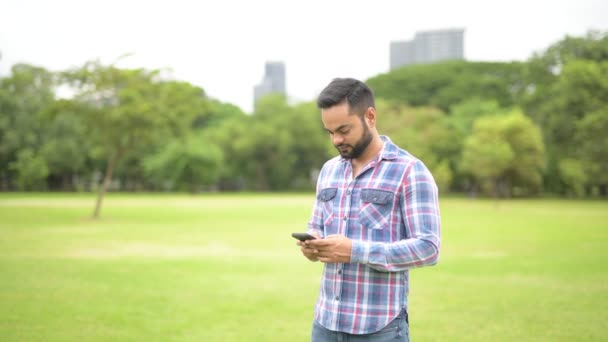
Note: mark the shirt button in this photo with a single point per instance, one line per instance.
(348, 192)
(337, 298)
(345, 218)
(339, 271)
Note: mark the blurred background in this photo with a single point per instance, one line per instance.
(497, 99)
(154, 102)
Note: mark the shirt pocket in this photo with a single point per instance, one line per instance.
(326, 199)
(375, 213)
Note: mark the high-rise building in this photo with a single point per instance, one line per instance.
(273, 81)
(428, 47)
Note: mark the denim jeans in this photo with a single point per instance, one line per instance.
(395, 331)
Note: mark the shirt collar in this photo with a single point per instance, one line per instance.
(389, 150)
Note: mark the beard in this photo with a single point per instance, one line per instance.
(355, 151)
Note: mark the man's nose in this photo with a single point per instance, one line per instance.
(337, 139)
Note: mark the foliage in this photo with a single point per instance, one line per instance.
(510, 129)
(573, 175)
(424, 133)
(504, 154)
(23, 97)
(566, 83)
(131, 108)
(186, 164)
(592, 141)
(31, 170)
(448, 83)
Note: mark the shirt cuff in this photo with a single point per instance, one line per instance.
(360, 252)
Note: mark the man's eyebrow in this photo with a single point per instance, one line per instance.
(341, 127)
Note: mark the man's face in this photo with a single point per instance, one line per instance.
(349, 133)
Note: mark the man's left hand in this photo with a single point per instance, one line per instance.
(332, 249)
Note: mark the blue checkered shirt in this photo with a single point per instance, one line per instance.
(390, 211)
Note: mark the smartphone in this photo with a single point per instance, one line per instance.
(303, 236)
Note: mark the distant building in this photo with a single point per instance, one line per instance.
(428, 47)
(273, 81)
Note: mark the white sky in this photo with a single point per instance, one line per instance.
(222, 45)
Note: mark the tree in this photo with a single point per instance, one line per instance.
(566, 83)
(592, 140)
(424, 132)
(487, 155)
(524, 175)
(31, 170)
(505, 155)
(447, 83)
(24, 95)
(269, 145)
(129, 108)
(572, 173)
(189, 163)
(65, 145)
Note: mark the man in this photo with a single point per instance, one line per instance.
(376, 216)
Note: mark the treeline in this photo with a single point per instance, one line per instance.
(499, 129)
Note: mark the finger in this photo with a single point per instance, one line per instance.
(307, 250)
(319, 243)
(324, 254)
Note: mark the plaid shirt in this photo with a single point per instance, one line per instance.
(391, 213)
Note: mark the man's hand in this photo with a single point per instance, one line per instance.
(332, 249)
(309, 252)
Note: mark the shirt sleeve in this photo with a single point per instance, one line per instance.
(315, 223)
(419, 207)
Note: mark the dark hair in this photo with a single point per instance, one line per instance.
(358, 95)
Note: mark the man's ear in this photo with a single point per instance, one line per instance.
(370, 117)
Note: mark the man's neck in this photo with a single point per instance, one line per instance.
(370, 153)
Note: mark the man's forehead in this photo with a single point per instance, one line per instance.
(335, 123)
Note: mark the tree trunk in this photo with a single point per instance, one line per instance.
(106, 182)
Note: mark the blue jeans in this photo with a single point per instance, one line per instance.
(395, 331)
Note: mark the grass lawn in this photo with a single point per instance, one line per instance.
(224, 267)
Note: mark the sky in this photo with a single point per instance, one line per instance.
(222, 45)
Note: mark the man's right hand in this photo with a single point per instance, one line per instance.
(309, 252)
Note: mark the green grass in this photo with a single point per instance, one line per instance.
(224, 268)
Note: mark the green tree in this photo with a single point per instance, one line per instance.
(270, 145)
(311, 144)
(572, 172)
(24, 95)
(130, 108)
(592, 141)
(566, 83)
(463, 114)
(191, 163)
(424, 132)
(505, 155)
(448, 83)
(487, 156)
(31, 170)
(524, 175)
(65, 145)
